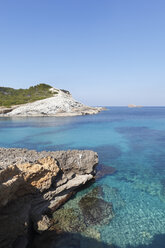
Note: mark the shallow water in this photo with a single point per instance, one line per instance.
(130, 139)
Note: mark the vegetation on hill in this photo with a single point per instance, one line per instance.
(10, 96)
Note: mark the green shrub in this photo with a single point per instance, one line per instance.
(10, 96)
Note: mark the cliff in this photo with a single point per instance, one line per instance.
(54, 102)
(33, 185)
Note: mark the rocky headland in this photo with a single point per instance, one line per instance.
(58, 103)
(34, 184)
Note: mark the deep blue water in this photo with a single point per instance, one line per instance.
(130, 139)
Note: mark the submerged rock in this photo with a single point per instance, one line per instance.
(96, 192)
(82, 215)
(68, 220)
(72, 219)
(104, 170)
(96, 210)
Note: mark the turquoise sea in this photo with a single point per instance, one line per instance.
(130, 139)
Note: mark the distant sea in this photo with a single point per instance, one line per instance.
(130, 139)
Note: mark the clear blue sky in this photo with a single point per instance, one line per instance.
(106, 52)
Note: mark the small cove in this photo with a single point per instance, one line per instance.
(132, 140)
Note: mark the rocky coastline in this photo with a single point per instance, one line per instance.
(35, 184)
(60, 105)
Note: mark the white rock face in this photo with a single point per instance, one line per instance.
(61, 104)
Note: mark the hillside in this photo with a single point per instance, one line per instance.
(41, 100)
(10, 96)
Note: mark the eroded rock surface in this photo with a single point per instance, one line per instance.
(32, 184)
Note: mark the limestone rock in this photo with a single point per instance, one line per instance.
(43, 224)
(39, 175)
(10, 181)
(61, 104)
(22, 179)
(33, 184)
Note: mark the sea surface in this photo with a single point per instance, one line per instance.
(132, 140)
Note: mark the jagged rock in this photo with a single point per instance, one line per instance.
(34, 183)
(39, 175)
(21, 179)
(43, 224)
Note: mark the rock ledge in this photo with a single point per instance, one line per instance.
(34, 184)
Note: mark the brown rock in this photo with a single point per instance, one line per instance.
(40, 174)
(32, 184)
(43, 224)
(27, 178)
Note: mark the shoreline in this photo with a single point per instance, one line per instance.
(35, 184)
(60, 105)
(91, 111)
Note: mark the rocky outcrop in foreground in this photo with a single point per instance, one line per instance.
(61, 104)
(33, 185)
